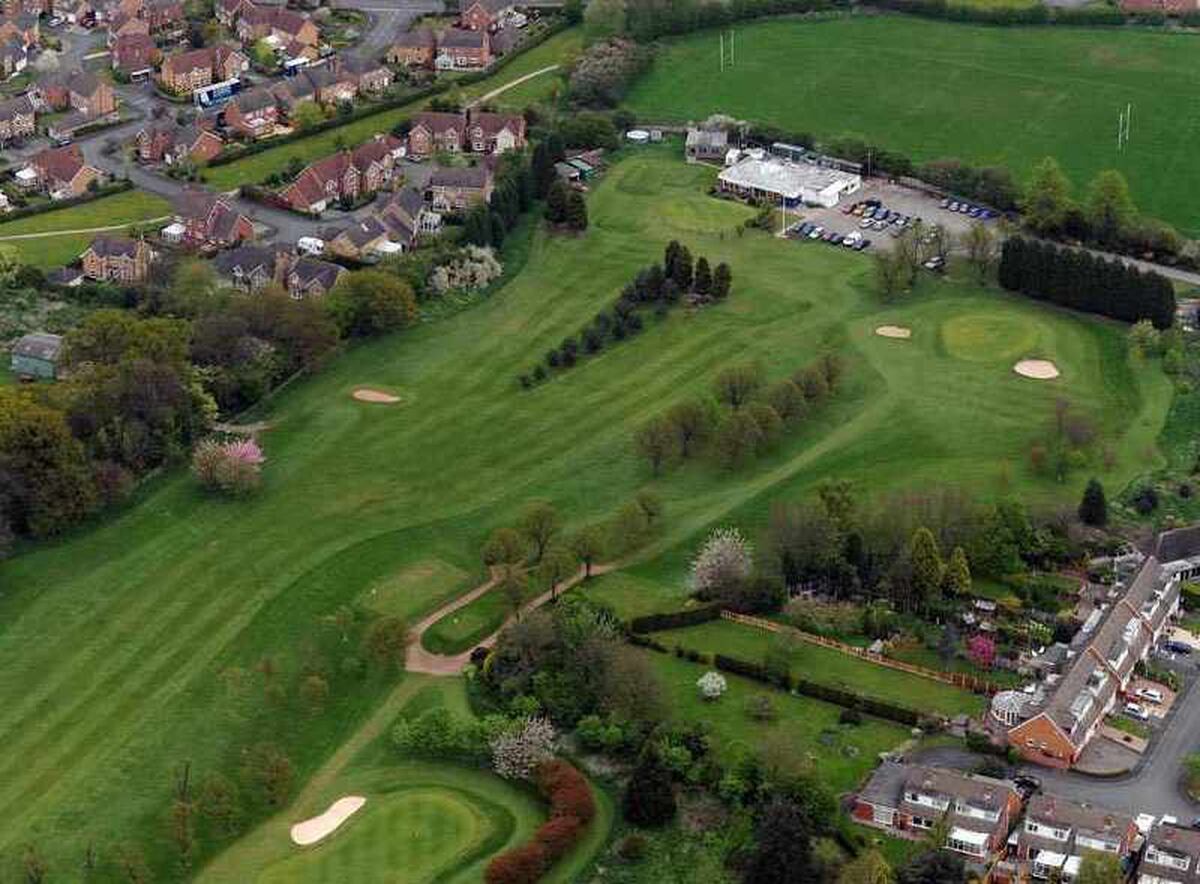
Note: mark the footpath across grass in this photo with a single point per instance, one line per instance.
(932, 89)
(827, 666)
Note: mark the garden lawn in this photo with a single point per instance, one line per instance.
(931, 89)
(842, 754)
(558, 49)
(47, 252)
(827, 666)
(113, 640)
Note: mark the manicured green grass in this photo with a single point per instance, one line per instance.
(113, 640)
(47, 252)
(463, 629)
(558, 49)
(827, 666)
(936, 89)
(841, 754)
(407, 592)
(631, 596)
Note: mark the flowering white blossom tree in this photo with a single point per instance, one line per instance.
(724, 561)
(517, 752)
(712, 685)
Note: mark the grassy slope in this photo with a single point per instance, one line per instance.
(936, 89)
(111, 641)
(558, 49)
(54, 251)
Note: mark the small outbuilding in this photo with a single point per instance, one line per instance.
(36, 356)
(706, 145)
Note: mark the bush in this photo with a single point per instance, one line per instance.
(674, 619)
(850, 716)
(632, 848)
(231, 468)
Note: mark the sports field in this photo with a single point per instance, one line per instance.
(989, 95)
(113, 640)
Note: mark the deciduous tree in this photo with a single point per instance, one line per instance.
(656, 441)
(1047, 198)
(540, 523)
(735, 385)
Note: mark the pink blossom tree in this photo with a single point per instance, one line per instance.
(982, 651)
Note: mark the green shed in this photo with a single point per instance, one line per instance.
(35, 356)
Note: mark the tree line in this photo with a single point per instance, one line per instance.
(514, 193)
(661, 286)
(743, 418)
(1082, 281)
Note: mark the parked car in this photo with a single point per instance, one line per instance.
(816, 232)
(865, 223)
(1152, 694)
(945, 204)
(1179, 647)
(851, 238)
(1196, 822)
(880, 225)
(1136, 710)
(1028, 782)
(862, 244)
(936, 264)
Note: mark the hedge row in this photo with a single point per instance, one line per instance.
(674, 619)
(54, 205)
(838, 696)
(571, 809)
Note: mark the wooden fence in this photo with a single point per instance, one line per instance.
(957, 679)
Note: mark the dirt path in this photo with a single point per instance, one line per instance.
(417, 659)
(46, 233)
(483, 99)
(243, 429)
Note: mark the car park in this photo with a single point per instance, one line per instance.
(1136, 710)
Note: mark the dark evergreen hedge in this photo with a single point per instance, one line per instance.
(1082, 281)
(674, 619)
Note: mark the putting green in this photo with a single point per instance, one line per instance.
(411, 587)
(990, 337)
(411, 835)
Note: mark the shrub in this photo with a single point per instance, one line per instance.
(850, 716)
(724, 561)
(516, 754)
(712, 685)
(1145, 499)
(231, 468)
(521, 865)
(632, 848)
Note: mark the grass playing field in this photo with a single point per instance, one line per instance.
(47, 252)
(938, 89)
(112, 640)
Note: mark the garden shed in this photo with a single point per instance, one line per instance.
(36, 355)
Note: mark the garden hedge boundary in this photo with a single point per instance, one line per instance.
(838, 696)
(42, 208)
(675, 619)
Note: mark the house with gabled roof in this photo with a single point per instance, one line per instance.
(345, 175)
(483, 15)
(356, 240)
(135, 54)
(204, 219)
(253, 113)
(1172, 855)
(495, 133)
(184, 72)
(276, 24)
(463, 50)
(17, 119)
(14, 57)
(457, 188)
(415, 48)
(63, 173)
(169, 144)
(1057, 833)
(434, 131)
(119, 259)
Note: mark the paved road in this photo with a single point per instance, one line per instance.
(387, 19)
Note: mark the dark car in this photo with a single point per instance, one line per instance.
(1027, 783)
(862, 244)
(1179, 647)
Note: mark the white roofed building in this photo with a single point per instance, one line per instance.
(773, 179)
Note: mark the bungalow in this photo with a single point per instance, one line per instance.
(17, 119)
(207, 220)
(1057, 832)
(344, 176)
(1106, 650)
(1172, 855)
(135, 55)
(484, 15)
(413, 49)
(453, 189)
(117, 259)
(253, 113)
(909, 800)
(36, 356)
(463, 50)
(63, 173)
(706, 145)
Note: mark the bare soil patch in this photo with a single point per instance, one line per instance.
(894, 331)
(319, 827)
(366, 394)
(1038, 369)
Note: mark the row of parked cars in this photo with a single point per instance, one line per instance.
(874, 215)
(965, 208)
(808, 230)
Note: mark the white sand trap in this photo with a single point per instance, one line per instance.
(1038, 369)
(313, 830)
(894, 331)
(366, 394)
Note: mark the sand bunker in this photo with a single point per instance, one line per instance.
(313, 830)
(894, 331)
(1038, 369)
(365, 394)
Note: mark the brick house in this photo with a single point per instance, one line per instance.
(413, 49)
(275, 23)
(248, 267)
(206, 219)
(291, 92)
(124, 25)
(357, 240)
(495, 133)
(369, 76)
(227, 12)
(80, 91)
(483, 15)
(909, 800)
(159, 15)
(1172, 855)
(251, 268)
(454, 189)
(117, 259)
(253, 113)
(434, 131)
(345, 175)
(332, 86)
(17, 119)
(306, 277)
(1110, 644)
(407, 218)
(135, 54)
(62, 172)
(170, 144)
(185, 72)
(23, 27)
(1057, 832)
(463, 50)
(14, 57)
